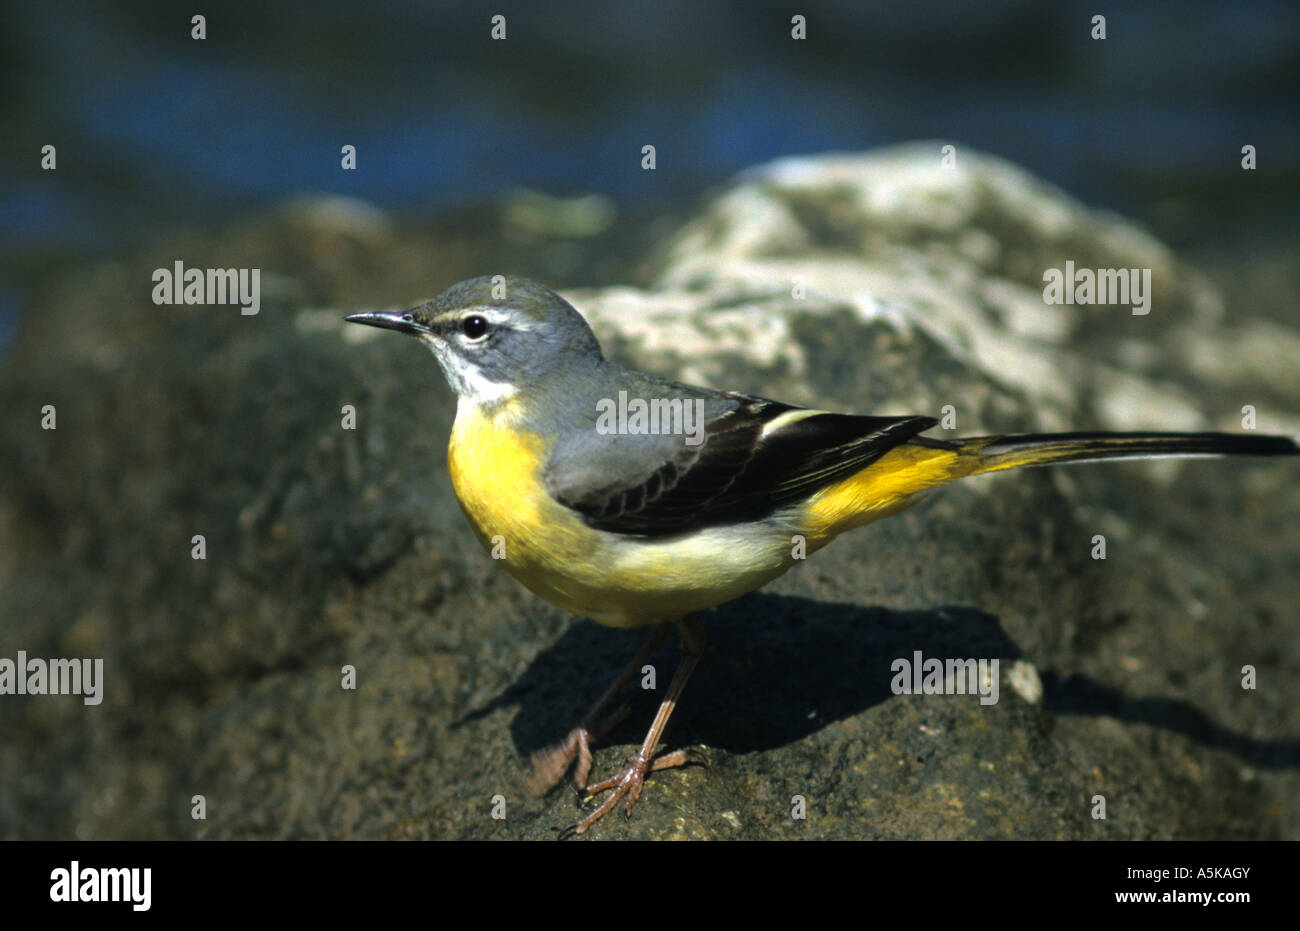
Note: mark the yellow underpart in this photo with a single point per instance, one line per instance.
(891, 483)
(496, 474)
(618, 580)
(624, 581)
(885, 487)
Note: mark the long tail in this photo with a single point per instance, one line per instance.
(993, 453)
(897, 478)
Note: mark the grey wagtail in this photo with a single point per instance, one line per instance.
(607, 517)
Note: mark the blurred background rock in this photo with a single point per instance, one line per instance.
(155, 130)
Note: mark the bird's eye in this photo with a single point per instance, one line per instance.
(475, 327)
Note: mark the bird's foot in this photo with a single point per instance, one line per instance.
(548, 766)
(627, 784)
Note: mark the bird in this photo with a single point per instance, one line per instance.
(636, 500)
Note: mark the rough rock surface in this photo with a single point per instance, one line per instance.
(922, 287)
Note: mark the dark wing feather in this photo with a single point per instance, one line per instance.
(737, 474)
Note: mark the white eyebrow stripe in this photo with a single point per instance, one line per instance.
(781, 421)
(501, 318)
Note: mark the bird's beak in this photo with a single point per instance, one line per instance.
(401, 322)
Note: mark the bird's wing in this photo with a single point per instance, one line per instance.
(757, 456)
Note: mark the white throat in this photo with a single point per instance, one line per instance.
(468, 381)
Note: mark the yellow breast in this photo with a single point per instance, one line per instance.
(496, 472)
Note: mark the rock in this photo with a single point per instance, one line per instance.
(921, 287)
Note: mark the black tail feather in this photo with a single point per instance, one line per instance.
(1006, 452)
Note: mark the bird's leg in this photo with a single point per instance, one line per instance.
(630, 781)
(548, 765)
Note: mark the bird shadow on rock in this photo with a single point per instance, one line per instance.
(778, 668)
(775, 669)
(1080, 695)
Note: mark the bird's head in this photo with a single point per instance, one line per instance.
(493, 335)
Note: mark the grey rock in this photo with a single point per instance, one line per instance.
(329, 547)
